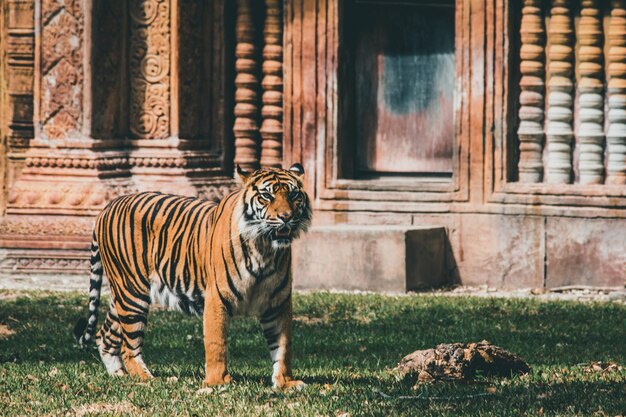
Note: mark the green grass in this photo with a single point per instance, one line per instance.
(345, 347)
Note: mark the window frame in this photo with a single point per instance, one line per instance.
(340, 139)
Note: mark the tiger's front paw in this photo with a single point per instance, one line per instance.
(216, 379)
(287, 384)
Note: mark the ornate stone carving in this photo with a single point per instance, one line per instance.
(246, 128)
(103, 164)
(530, 130)
(590, 133)
(83, 182)
(216, 191)
(61, 69)
(272, 111)
(117, 161)
(42, 226)
(61, 196)
(559, 130)
(45, 262)
(118, 187)
(149, 61)
(185, 161)
(20, 48)
(616, 134)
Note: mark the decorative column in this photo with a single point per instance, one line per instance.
(272, 111)
(20, 47)
(590, 100)
(616, 134)
(246, 128)
(530, 131)
(559, 130)
(61, 152)
(17, 39)
(57, 179)
(61, 69)
(150, 69)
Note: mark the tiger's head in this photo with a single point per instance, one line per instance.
(275, 206)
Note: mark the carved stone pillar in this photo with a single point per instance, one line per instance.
(150, 49)
(18, 40)
(153, 156)
(98, 93)
(60, 177)
(246, 127)
(590, 100)
(19, 73)
(62, 151)
(61, 71)
(616, 134)
(167, 74)
(559, 130)
(272, 111)
(530, 131)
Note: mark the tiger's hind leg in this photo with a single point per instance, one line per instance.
(133, 317)
(109, 342)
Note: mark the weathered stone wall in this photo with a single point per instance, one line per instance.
(103, 98)
(537, 197)
(91, 107)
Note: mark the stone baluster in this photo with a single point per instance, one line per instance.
(272, 111)
(590, 134)
(246, 128)
(616, 133)
(530, 131)
(559, 130)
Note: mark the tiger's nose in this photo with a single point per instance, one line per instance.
(285, 216)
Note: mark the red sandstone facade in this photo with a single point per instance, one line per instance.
(525, 166)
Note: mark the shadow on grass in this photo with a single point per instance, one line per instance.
(336, 331)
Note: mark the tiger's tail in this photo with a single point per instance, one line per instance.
(86, 328)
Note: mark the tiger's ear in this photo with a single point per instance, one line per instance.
(297, 169)
(241, 175)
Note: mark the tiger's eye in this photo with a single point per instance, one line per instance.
(267, 196)
(294, 194)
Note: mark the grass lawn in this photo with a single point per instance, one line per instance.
(345, 347)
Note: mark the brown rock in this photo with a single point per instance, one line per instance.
(460, 361)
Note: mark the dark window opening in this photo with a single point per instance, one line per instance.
(399, 78)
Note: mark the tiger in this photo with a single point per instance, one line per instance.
(218, 259)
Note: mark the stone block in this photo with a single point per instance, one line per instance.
(585, 252)
(501, 251)
(370, 258)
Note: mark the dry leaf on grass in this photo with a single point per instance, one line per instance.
(5, 331)
(602, 367)
(123, 408)
(205, 390)
(310, 320)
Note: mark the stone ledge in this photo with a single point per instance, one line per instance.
(370, 258)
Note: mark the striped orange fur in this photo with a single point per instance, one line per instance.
(216, 259)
